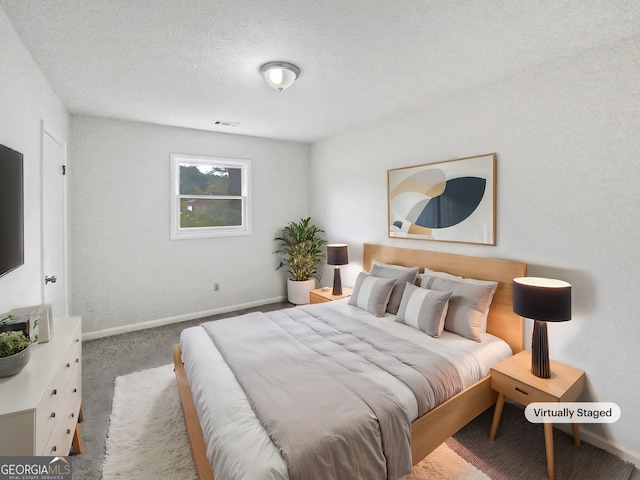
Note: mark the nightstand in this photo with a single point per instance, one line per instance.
(320, 296)
(513, 378)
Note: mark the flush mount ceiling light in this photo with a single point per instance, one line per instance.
(280, 75)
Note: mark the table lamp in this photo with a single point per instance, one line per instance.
(337, 255)
(542, 300)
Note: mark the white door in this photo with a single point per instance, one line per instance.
(54, 281)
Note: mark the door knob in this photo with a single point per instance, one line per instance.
(52, 279)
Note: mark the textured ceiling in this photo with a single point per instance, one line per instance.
(191, 62)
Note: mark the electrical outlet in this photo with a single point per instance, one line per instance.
(216, 287)
(90, 307)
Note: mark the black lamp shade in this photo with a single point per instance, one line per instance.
(337, 254)
(542, 299)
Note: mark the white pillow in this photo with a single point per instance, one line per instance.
(372, 293)
(399, 267)
(423, 309)
(431, 273)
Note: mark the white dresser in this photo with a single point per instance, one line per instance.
(40, 406)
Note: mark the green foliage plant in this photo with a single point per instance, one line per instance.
(13, 342)
(302, 249)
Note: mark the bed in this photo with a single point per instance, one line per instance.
(428, 430)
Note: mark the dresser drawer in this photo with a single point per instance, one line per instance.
(62, 435)
(50, 410)
(61, 438)
(518, 391)
(74, 396)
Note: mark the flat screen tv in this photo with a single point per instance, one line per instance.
(11, 210)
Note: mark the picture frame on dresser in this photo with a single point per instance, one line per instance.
(39, 319)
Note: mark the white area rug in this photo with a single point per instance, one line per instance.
(148, 440)
(147, 436)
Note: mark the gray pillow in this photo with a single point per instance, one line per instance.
(493, 286)
(423, 309)
(372, 293)
(402, 275)
(468, 304)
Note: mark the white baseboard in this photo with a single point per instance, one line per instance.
(601, 442)
(177, 319)
(597, 441)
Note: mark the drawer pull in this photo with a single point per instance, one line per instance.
(68, 365)
(521, 391)
(54, 448)
(53, 414)
(68, 431)
(77, 340)
(54, 392)
(77, 360)
(75, 390)
(73, 415)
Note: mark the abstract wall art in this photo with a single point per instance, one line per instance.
(449, 201)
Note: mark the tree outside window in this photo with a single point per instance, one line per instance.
(210, 196)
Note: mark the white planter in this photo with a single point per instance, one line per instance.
(298, 292)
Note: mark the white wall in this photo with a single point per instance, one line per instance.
(121, 257)
(567, 136)
(26, 99)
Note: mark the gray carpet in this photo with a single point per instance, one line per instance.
(518, 451)
(107, 358)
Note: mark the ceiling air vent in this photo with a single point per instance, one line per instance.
(224, 123)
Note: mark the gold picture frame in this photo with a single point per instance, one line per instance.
(448, 201)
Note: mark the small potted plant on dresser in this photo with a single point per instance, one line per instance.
(15, 352)
(302, 249)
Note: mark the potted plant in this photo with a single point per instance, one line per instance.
(15, 352)
(302, 249)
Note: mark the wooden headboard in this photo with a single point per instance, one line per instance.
(501, 322)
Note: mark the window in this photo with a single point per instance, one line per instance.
(209, 197)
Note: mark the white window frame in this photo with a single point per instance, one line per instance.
(179, 233)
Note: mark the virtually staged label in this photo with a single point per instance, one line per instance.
(572, 412)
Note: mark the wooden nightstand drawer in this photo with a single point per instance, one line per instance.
(315, 297)
(321, 296)
(518, 391)
(565, 385)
